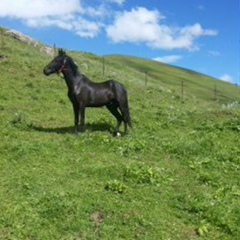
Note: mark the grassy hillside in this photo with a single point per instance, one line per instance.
(176, 176)
(192, 83)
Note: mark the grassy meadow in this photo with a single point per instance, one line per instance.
(174, 177)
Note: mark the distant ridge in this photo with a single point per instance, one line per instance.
(186, 83)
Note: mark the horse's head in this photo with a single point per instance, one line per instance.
(57, 64)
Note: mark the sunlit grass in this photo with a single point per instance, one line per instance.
(175, 176)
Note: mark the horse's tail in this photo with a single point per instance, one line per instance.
(127, 112)
(122, 98)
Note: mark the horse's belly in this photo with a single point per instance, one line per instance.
(99, 101)
(95, 105)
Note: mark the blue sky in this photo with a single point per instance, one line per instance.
(202, 35)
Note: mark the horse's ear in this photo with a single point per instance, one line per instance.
(61, 52)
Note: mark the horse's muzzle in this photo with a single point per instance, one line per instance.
(46, 72)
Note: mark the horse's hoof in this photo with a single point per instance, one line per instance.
(82, 129)
(117, 134)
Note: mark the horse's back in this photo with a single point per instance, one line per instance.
(116, 86)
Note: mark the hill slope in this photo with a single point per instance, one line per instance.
(176, 176)
(192, 83)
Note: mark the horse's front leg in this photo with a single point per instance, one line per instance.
(82, 120)
(76, 117)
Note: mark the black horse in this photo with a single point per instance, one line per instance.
(83, 93)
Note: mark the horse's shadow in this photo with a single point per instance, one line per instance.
(91, 127)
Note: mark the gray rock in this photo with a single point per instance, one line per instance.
(29, 41)
(21, 37)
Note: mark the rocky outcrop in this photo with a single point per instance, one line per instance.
(21, 37)
(29, 41)
(47, 50)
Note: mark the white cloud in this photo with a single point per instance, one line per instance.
(168, 59)
(100, 11)
(196, 30)
(80, 26)
(32, 9)
(141, 25)
(119, 2)
(61, 22)
(54, 13)
(227, 78)
(85, 28)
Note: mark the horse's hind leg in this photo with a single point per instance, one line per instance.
(114, 110)
(124, 109)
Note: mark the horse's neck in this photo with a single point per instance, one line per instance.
(72, 80)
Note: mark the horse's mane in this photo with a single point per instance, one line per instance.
(73, 65)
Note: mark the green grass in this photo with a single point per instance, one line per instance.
(194, 84)
(176, 176)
